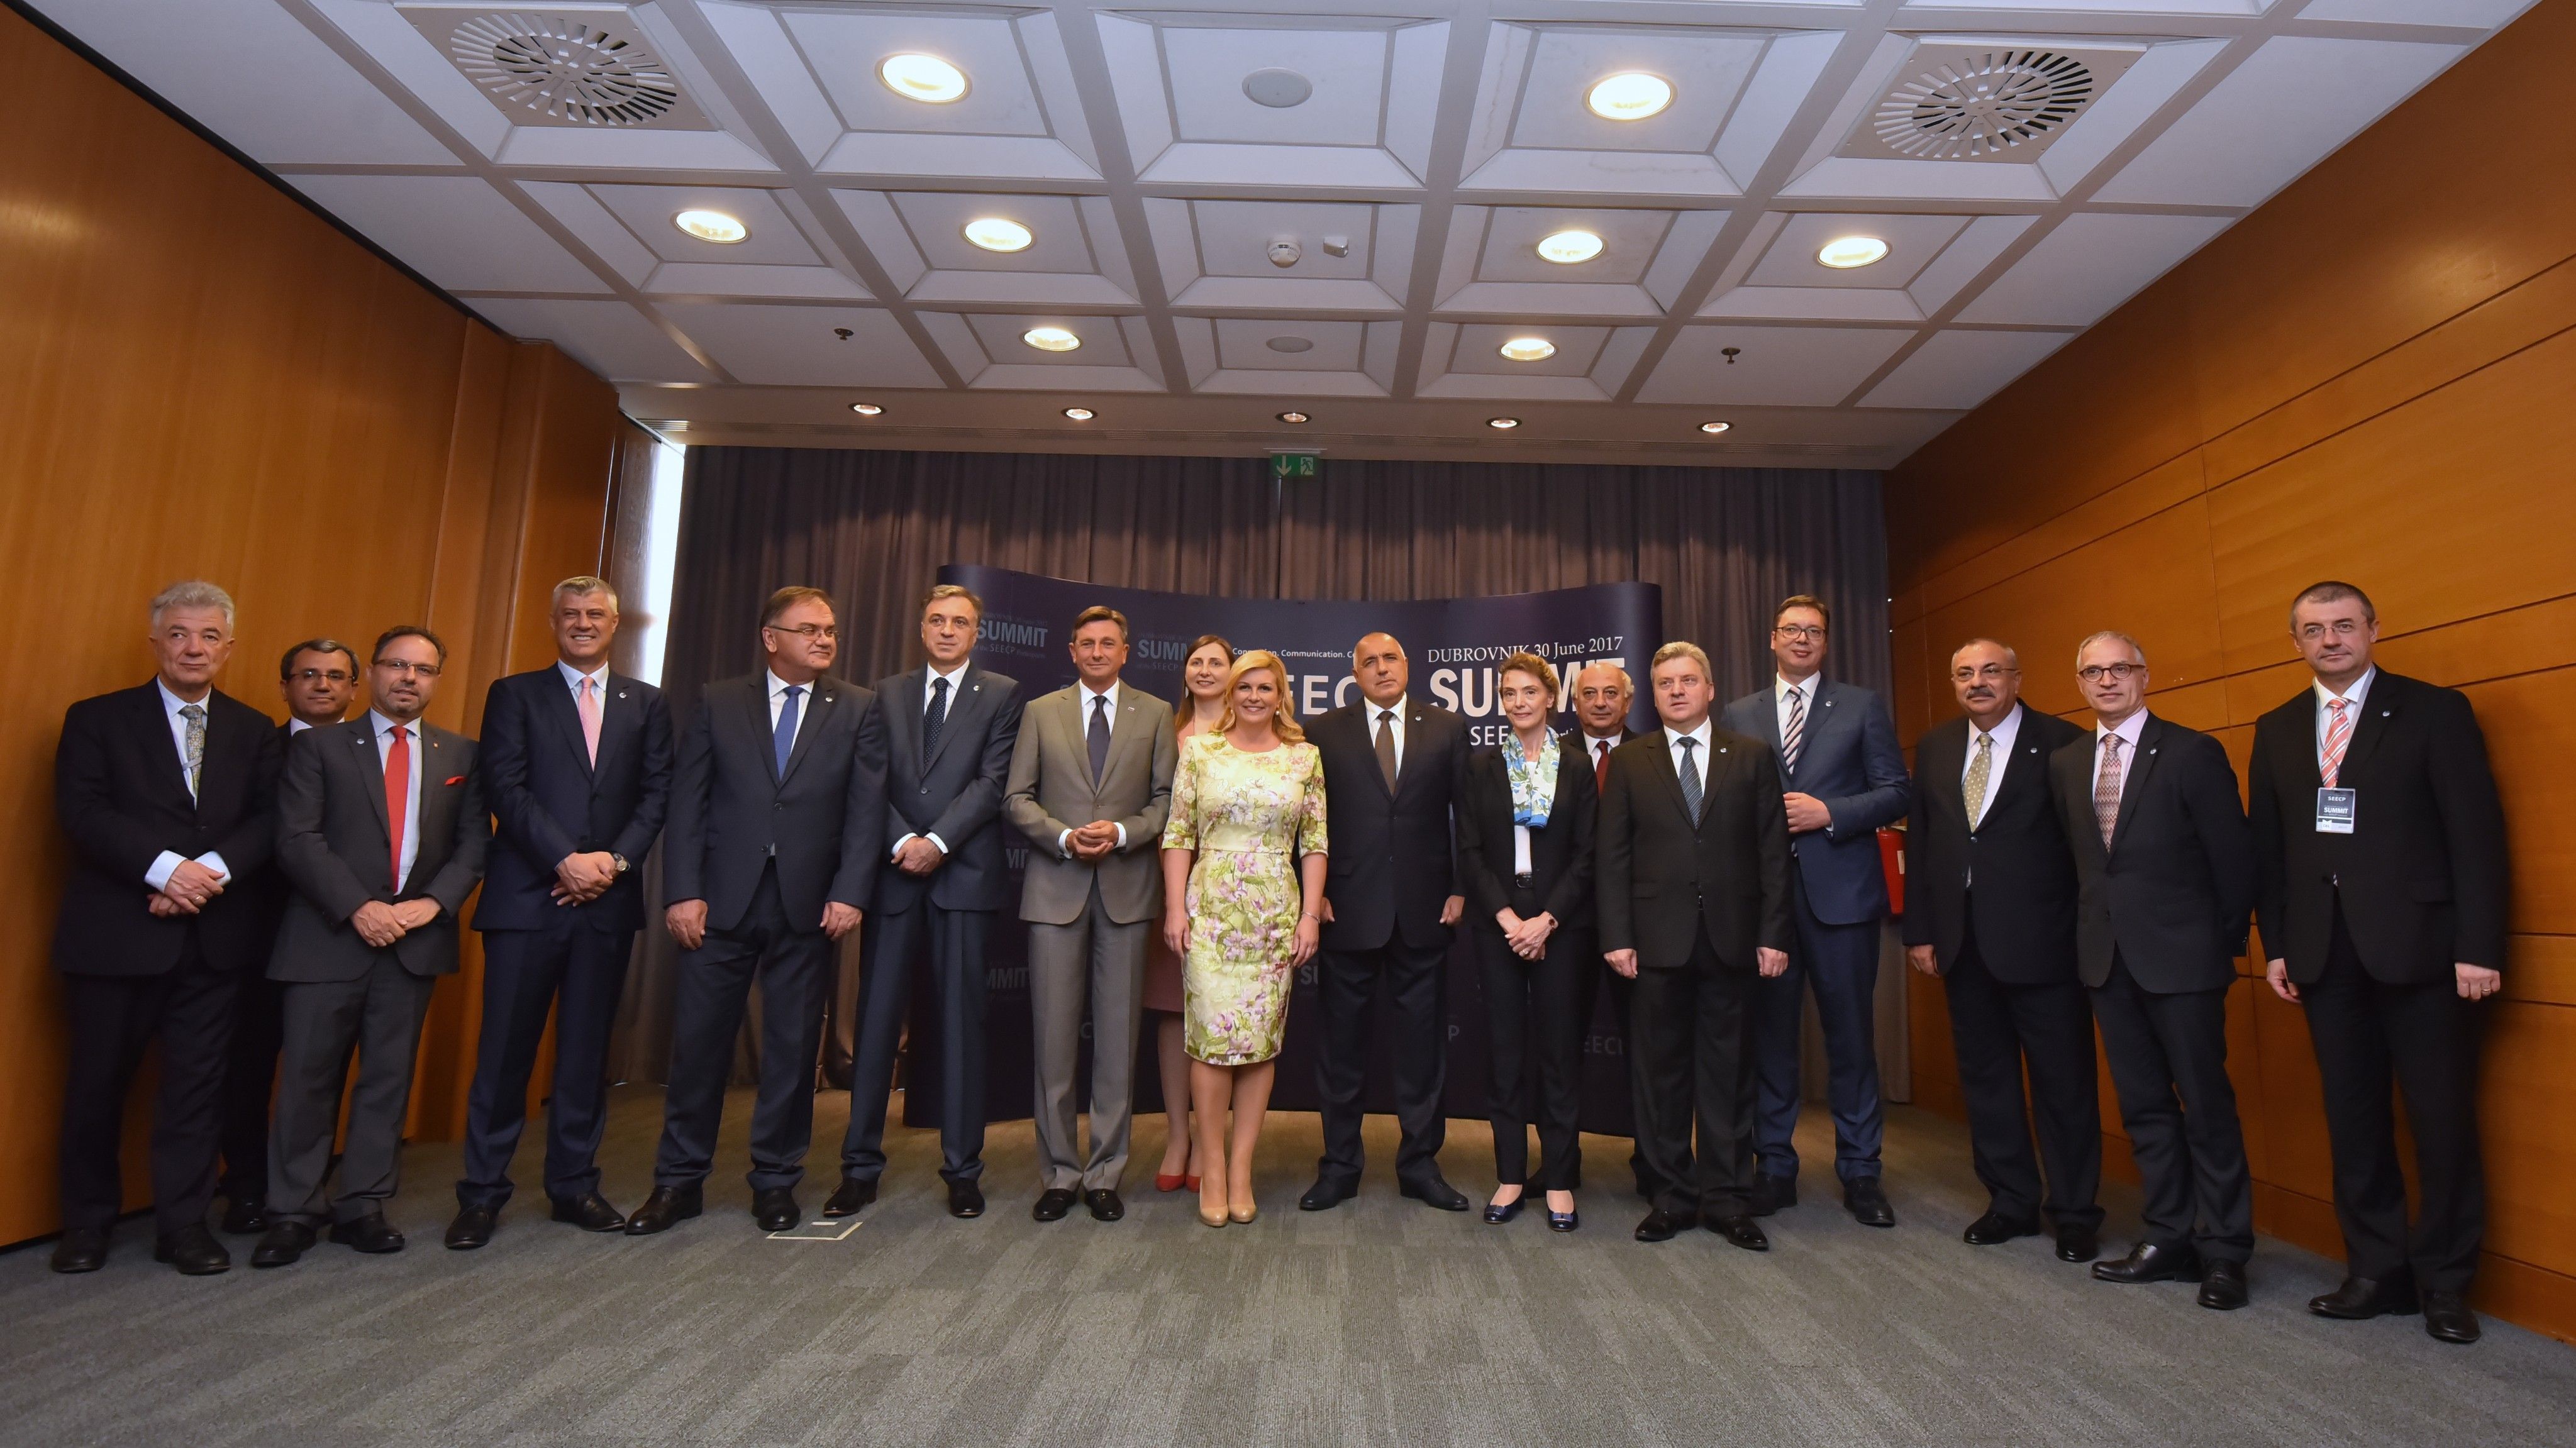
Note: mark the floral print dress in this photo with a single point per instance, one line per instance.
(1249, 816)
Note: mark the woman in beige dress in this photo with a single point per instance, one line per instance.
(1243, 885)
(1202, 705)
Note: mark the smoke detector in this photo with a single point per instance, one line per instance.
(1981, 101)
(578, 66)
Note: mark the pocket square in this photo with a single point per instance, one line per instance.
(454, 780)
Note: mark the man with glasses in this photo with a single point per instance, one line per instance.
(1844, 776)
(1990, 910)
(776, 804)
(2164, 865)
(2384, 880)
(381, 829)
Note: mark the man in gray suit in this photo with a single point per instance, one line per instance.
(381, 829)
(1091, 779)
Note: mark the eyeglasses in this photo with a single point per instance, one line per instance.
(1803, 632)
(336, 676)
(406, 666)
(1987, 671)
(2096, 673)
(2342, 628)
(807, 631)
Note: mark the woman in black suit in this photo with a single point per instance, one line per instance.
(1525, 847)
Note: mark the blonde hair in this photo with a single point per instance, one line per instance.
(1282, 719)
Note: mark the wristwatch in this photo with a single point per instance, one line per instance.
(619, 860)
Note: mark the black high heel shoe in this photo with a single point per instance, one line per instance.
(1497, 1215)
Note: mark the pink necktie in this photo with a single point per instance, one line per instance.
(2338, 737)
(586, 698)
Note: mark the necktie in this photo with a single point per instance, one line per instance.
(1386, 746)
(398, 795)
(782, 739)
(1600, 766)
(1097, 737)
(2106, 788)
(195, 714)
(1794, 733)
(586, 699)
(2338, 737)
(1980, 773)
(933, 721)
(1689, 772)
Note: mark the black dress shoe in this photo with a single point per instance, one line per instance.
(1498, 1215)
(1993, 1230)
(245, 1217)
(1771, 1193)
(1105, 1205)
(775, 1209)
(2360, 1298)
(965, 1199)
(2078, 1244)
(282, 1244)
(1433, 1190)
(194, 1251)
(590, 1211)
(666, 1208)
(371, 1234)
(2222, 1286)
(852, 1194)
(2447, 1317)
(1741, 1231)
(471, 1229)
(81, 1249)
(1327, 1194)
(1660, 1226)
(2148, 1262)
(1053, 1203)
(1867, 1204)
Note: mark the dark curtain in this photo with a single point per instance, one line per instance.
(873, 527)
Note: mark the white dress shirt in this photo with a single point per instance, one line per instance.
(956, 678)
(1695, 760)
(1396, 724)
(295, 727)
(2357, 694)
(384, 729)
(1083, 695)
(1596, 748)
(572, 678)
(2128, 729)
(1780, 687)
(158, 876)
(2003, 735)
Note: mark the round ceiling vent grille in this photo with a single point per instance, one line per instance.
(564, 69)
(1979, 106)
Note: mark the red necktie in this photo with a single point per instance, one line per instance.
(1600, 766)
(398, 795)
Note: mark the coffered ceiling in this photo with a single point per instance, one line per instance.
(1402, 221)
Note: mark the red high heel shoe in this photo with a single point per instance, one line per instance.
(1164, 1183)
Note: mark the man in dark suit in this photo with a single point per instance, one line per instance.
(1693, 900)
(1393, 771)
(577, 765)
(776, 801)
(381, 829)
(2384, 878)
(1843, 777)
(317, 679)
(1603, 697)
(2164, 864)
(950, 729)
(1990, 909)
(166, 792)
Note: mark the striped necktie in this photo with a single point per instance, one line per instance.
(1793, 734)
(1693, 798)
(2106, 789)
(2338, 739)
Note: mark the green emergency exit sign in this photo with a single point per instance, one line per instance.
(1287, 467)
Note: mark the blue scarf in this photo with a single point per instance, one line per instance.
(1533, 780)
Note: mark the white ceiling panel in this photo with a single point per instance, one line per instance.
(1784, 366)
(1278, 99)
(783, 346)
(610, 338)
(2089, 265)
(458, 231)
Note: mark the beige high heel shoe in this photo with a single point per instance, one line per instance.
(1244, 1211)
(1214, 1217)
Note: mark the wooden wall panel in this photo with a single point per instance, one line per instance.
(2335, 387)
(199, 377)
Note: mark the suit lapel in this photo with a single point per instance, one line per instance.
(435, 809)
(969, 689)
(1663, 768)
(1127, 733)
(371, 767)
(2378, 710)
(618, 720)
(566, 717)
(755, 706)
(1771, 730)
(161, 745)
(821, 699)
(2133, 784)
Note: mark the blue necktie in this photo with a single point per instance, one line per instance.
(1692, 798)
(931, 722)
(782, 740)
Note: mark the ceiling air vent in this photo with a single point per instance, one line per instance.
(1984, 102)
(571, 65)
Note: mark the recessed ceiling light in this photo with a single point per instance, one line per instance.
(1528, 349)
(1079, 414)
(1845, 252)
(1293, 417)
(1714, 428)
(922, 78)
(1566, 248)
(1051, 339)
(1629, 96)
(994, 233)
(713, 226)
(1504, 423)
(866, 409)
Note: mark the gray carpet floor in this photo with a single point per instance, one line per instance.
(1382, 1322)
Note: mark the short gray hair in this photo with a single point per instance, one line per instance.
(192, 593)
(583, 583)
(2012, 653)
(1685, 649)
(2099, 635)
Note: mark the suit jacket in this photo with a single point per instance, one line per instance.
(549, 800)
(2172, 893)
(1661, 882)
(1848, 758)
(122, 797)
(1560, 854)
(733, 811)
(335, 843)
(2423, 875)
(2023, 906)
(955, 794)
(1050, 790)
(1392, 865)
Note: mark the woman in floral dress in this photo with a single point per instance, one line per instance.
(1243, 875)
